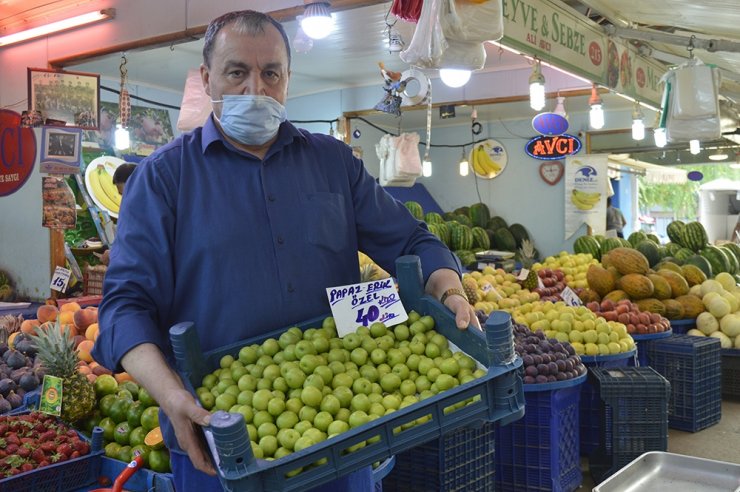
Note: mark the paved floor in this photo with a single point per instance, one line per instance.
(719, 442)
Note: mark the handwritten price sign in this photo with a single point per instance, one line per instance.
(364, 304)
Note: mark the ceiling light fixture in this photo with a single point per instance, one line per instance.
(537, 87)
(638, 123)
(454, 77)
(694, 146)
(661, 139)
(426, 168)
(718, 155)
(464, 166)
(317, 21)
(596, 113)
(59, 26)
(560, 107)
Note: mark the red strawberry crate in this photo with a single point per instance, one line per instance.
(65, 476)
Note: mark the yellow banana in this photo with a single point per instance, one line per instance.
(584, 197)
(486, 163)
(106, 183)
(575, 200)
(475, 162)
(97, 190)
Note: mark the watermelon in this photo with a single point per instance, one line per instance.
(479, 214)
(462, 211)
(445, 232)
(624, 242)
(449, 216)
(519, 233)
(609, 244)
(671, 248)
(600, 239)
(464, 220)
(589, 245)
(497, 223)
(654, 238)
(433, 218)
(694, 236)
(716, 258)
(683, 254)
(504, 240)
(461, 238)
(636, 238)
(734, 248)
(731, 258)
(650, 250)
(415, 209)
(480, 238)
(702, 263)
(467, 257)
(674, 230)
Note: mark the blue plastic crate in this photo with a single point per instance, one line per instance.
(643, 342)
(61, 477)
(382, 471)
(731, 373)
(693, 365)
(30, 402)
(144, 480)
(681, 326)
(461, 460)
(541, 451)
(633, 415)
(496, 396)
(590, 403)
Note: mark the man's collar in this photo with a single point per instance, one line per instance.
(286, 134)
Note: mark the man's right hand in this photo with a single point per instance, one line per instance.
(185, 416)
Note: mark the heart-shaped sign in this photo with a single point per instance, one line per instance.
(551, 172)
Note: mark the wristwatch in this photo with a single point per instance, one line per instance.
(453, 292)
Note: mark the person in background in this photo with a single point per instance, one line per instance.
(239, 227)
(614, 218)
(121, 175)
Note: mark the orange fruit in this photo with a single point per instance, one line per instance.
(69, 307)
(122, 377)
(92, 332)
(84, 350)
(29, 326)
(46, 313)
(84, 369)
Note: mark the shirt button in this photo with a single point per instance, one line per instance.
(290, 287)
(280, 240)
(271, 198)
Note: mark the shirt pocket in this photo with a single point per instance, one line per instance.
(326, 220)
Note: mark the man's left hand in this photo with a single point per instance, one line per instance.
(464, 312)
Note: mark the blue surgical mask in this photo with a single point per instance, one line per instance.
(251, 120)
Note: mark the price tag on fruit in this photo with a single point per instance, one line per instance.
(570, 297)
(60, 279)
(523, 274)
(364, 304)
(51, 396)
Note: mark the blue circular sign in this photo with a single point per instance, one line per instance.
(550, 124)
(695, 176)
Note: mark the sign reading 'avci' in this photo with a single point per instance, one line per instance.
(17, 152)
(549, 148)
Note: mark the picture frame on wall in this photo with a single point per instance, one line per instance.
(61, 150)
(70, 99)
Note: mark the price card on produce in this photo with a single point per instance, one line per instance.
(523, 274)
(570, 297)
(363, 304)
(51, 396)
(60, 279)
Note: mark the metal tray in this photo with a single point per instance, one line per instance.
(658, 471)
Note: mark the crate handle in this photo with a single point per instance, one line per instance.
(410, 281)
(188, 354)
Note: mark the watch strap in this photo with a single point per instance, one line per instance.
(453, 292)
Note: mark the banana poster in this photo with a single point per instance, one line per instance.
(586, 185)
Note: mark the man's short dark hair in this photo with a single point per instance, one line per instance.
(122, 173)
(250, 21)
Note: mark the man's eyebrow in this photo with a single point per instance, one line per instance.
(236, 64)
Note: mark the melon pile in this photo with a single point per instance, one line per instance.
(721, 298)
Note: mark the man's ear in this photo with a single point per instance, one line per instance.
(204, 77)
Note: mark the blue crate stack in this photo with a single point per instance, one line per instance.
(634, 416)
(731, 373)
(541, 451)
(693, 365)
(461, 460)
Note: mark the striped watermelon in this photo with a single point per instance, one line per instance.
(461, 238)
(654, 238)
(694, 236)
(600, 239)
(624, 243)
(734, 248)
(671, 248)
(609, 244)
(479, 214)
(674, 230)
(731, 258)
(589, 245)
(464, 220)
(437, 231)
(650, 250)
(433, 218)
(445, 232)
(504, 240)
(701, 263)
(716, 258)
(480, 238)
(636, 238)
(683, 254)
(415, 209)
(496, 223)
(519, 233)
(467, 257)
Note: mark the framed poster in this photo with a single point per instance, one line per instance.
(61, 148)
(65, 98)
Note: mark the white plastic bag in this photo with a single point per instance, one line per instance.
(463, 20)
(408, 160)
(428, 43)
(387, 151)
(196, 105)
(464, 55)
(691, 102)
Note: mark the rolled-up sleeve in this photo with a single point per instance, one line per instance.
(139, 283)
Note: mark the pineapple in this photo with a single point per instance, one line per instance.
(470, 286)
(369, 270)
(59, 358)
(527, 255)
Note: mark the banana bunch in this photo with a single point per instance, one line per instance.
(482, 162)
(104, 190)
(583, 200)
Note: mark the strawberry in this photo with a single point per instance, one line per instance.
(48, 447)
(44, 463)
(38, 455)
(11, 449)
(72, 433)
(75, 454)
(26, 467)
(27, 440)
(12, 438)
(47, 436)
(82, 447)
(13, 471)
(24, 452)
(64, 449)
(4, 429)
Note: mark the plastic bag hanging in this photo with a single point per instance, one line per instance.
(428, 43)
(408, 10)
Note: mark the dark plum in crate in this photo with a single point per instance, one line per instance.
(546, 360)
